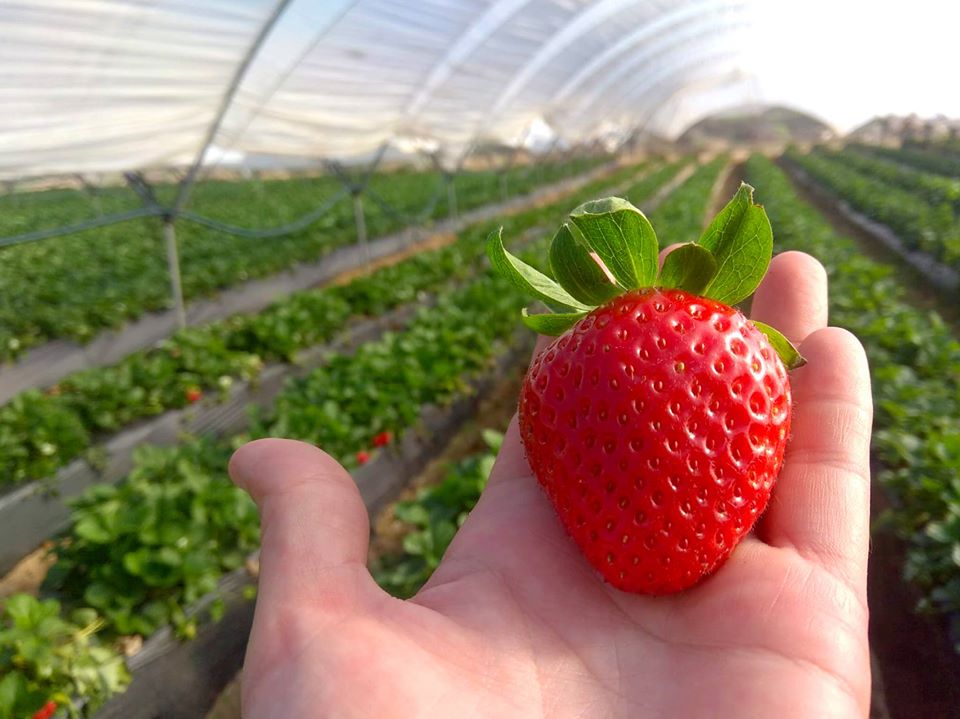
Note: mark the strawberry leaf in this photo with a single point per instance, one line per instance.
(689, 267)
(741, 241)
(622, 237)
(577, 271)
(525, 277)
(549, 323)
(789, 355)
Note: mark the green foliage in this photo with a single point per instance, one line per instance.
(741, 240)
(935, 161)
(650, 182)
(622, 237)
(141, 551)
(384, 384)
(930, 228)
(689, 267)
(915, 364)
(45, 656)
(680, 217)
(77, 285)
(433, 518)
(37, 437)
(931, 188)
(42, 432)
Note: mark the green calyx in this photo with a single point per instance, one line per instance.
(608, 247)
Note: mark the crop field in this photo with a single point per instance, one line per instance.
(387, 367)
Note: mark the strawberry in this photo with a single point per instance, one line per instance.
(193, 394)
(46, 711)
(363, 457)
(382, 439)
(656, 422)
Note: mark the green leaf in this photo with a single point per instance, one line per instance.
(741, 241)
(12, 686)
(689, 267)
(493, 439)
(622, 237)
(525, 277)
(550, 323)
(577, 271)
(789, 355)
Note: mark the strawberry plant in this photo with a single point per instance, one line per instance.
(142, 551)
(48, 659)
(77, 285)
(941, 163)
(651, 182)
(680, 217)
(931, 188)
(432, 519)
(139, 552)
(42, 432)
(656, 422)
(915, 363)
(384, 384)
(930, 228)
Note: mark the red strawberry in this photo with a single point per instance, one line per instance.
(657, 421)
(193, 394)
(46, 711)
(382, 439)
(657, 427)
(363, 457)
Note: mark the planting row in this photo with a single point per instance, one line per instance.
(940, 163)
(432, 518)
(77, 285)
(140, 552)
(915, 363)
(43, 431)
(929, 228)
(928, 186)
(680, 217)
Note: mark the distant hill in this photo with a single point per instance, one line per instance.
(908, 129)
(768, 125)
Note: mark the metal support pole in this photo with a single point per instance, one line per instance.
(451, 196)
(361, 221)
(173, 261)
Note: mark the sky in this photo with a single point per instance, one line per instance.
(850, 60)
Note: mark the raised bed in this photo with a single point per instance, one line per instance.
(32, 513)
(181, 680)
(46, 364)
(945, 279)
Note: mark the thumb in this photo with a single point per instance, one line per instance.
(314, 525)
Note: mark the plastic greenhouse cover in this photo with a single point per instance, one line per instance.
(91, 86)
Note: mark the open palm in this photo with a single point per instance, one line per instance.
(514, 623)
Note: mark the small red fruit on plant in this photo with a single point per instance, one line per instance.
(46, 711)
(194, 394)
(363, 457)
(656, 422)
(382, 439)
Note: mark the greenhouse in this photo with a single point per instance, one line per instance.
(628, 331)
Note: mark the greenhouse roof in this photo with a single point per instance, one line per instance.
(114, 85)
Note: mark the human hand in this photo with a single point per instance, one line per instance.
(514, 622)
